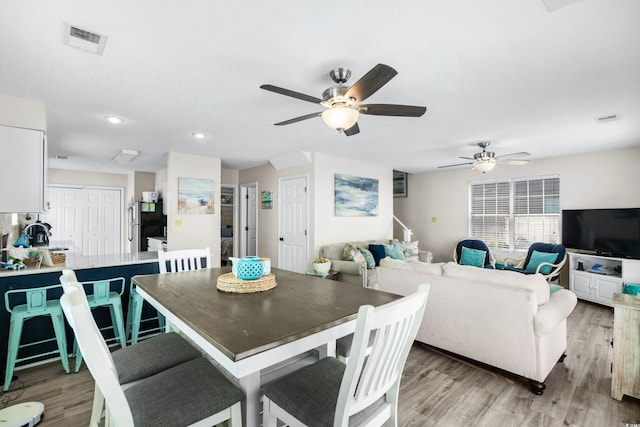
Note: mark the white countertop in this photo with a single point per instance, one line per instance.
(78, 261)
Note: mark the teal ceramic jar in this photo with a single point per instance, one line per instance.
(248, 268)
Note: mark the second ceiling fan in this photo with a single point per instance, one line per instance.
(343, 103)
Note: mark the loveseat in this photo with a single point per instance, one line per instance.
(500, 318)
(358, 272)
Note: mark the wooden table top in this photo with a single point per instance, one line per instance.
(241, 325)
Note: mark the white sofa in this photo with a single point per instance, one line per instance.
(501, 318)
(354, 272)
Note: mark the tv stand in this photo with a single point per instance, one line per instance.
(598, 287)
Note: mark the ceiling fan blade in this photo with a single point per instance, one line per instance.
(298, 119)
(520, 154)
(368, 84)
(466, 158)
(291, 93)
(392, 110)
(353, 130)
(457, 164)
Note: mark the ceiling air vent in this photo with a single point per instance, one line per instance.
(84, 39)
(608, 118)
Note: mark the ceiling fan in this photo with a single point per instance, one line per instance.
(342, 102)
(485, 161)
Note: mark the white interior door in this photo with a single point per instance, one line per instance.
(248, 219)
(87, 220)
(102, 226)
(65, 217)
(293, 224)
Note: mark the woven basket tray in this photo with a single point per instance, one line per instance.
(230, 283)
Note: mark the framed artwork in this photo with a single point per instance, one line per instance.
(226, 199)
(355, 196)
(266, 200)
(399, 184)
(196, 196)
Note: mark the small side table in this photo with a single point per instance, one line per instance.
(626, 346)
(331, 275)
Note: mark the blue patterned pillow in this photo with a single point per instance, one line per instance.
(371, 263)
(394, 250)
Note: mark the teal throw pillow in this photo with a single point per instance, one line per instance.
(474, 257)
(554, 288)
(394, 250)
(540, 257)
(368, 256)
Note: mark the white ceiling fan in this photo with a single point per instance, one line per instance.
(485, 161)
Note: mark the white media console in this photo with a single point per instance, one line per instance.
(597, 287)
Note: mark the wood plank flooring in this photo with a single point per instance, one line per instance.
(437, 389)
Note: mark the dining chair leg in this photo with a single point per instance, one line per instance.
(98, 406)
(236, 415)
(15, 331)
(136, 317)
(78, 356)
(57, 318)
(268, 418)
(118, 323)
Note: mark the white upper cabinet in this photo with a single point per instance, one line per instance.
(23, 171)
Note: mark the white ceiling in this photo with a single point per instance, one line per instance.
(528, 75)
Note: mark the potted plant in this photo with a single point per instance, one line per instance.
(321, 266)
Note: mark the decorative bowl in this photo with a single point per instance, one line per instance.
(322, 267)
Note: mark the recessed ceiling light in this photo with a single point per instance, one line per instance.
(114, 120)
(199, 135)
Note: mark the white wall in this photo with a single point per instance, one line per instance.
(600, 180)
(192, 231)
(22, 113)
(329, 228)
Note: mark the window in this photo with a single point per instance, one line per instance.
(513, 214)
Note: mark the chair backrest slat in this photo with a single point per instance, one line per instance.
(183, 260)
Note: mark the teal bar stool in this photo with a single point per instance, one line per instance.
(134, 317)
(105, 293)
(39, 302)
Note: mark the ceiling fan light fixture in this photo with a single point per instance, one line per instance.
(484, 165)
(340, 117)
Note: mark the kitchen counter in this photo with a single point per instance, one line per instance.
(78, 261)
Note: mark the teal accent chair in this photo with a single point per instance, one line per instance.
(102, 295)
(39, 302)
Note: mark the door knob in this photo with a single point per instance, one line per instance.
(282, 239)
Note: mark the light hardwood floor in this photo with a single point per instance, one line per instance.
(437, 389)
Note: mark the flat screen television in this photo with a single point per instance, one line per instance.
(607, 232)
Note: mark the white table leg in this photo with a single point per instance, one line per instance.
(250, 385)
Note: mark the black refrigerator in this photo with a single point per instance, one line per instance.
(145, 220)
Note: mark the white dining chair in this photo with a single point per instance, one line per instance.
(192, 393)
(365, 390)
(139, 361)
(168, 262)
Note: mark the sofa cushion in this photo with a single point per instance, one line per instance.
(396, 264)
(427, 268)
(394, 250)
(410, 250)
(535, 282)
(539, 257)
(371, 263)
(378, 253)
(352, 253)
(473, 257)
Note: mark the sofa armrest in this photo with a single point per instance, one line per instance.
(554, 312)
(425, 256)
(347, 267)
(515, 262)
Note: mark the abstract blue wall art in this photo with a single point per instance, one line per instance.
(355, 196)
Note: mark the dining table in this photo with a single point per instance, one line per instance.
(246, 333)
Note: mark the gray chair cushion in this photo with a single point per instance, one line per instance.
(181, 395)
(153, 355)
(343, 345)
(311, 393)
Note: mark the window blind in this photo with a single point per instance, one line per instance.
(512, 214)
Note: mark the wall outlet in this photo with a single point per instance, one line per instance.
(177, 222)
(434, 219)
